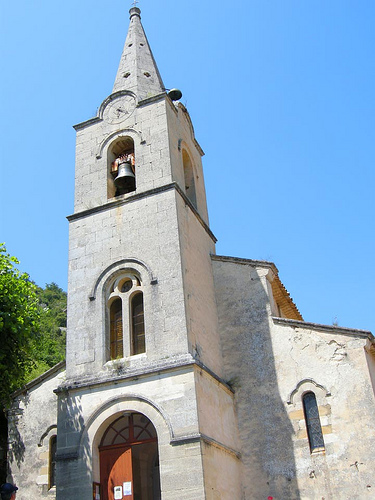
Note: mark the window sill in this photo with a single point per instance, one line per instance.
(318, 451)
(121, 362)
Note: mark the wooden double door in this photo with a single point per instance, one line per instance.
(129, 462)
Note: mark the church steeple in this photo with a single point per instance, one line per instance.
(137, 70)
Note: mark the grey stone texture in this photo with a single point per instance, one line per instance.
(137, 70)
(227, 357)
(32, 421)
(271, 362)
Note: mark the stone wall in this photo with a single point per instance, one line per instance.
(271, 363)
(32, 422)
(166, 397)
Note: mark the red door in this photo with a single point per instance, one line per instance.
(128, 454)
(116, 472)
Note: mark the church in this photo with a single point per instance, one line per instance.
(188, 375)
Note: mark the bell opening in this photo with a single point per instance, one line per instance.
(121, 163)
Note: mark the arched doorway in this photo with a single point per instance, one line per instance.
(129, 461)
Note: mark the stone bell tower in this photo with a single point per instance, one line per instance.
(142, 338)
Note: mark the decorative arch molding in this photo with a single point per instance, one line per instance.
(46, 433)
(113, 97)
(105, 414)
(123, 404)
(306, 385)
(117, 267)
(134, 134)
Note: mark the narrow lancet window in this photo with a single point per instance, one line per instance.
(314, 428)
(138, 325)
(116, 331)
(52, 462)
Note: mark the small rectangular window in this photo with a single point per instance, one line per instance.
(314, 428)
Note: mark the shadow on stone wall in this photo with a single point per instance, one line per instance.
(16, 446)
(264, 427)
(73, 459)
(3, 446)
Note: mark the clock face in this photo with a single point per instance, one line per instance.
(120, 109)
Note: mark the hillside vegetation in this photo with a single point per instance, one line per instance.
(49, 346)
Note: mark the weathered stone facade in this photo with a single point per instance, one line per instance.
(32, 422)
(228, 358)
(271, 362)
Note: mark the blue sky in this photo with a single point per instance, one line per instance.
(281, 95)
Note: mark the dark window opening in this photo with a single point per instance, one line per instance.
(138, 325)
(314, 428)
(116, 331)
(52, 461)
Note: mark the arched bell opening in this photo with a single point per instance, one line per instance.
(121, 167)
(189, 178)
(129, 460)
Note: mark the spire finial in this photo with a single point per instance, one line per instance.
(134, 10)
(137, 71)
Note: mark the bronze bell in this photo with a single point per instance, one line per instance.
(125, 180)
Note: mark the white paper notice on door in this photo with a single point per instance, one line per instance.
(117, 492)
(127, 488)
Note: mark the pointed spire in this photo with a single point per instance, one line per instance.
(137, 70)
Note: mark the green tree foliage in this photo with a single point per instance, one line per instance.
(32, 327)
(49, 347)
(19, 320)
(32, 333)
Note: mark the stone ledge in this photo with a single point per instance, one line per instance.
(87, 123)
(194, 210)
(245, 262)
(366, 334)
(118, 202)
(195, 438)
(123, 201)
(178, 363)
(149, 100)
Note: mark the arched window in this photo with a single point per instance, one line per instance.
(116, 329)
(314, 428)
(121, 167)
(138, 324)
(189, 178)
(126, 317)
(52, 462)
